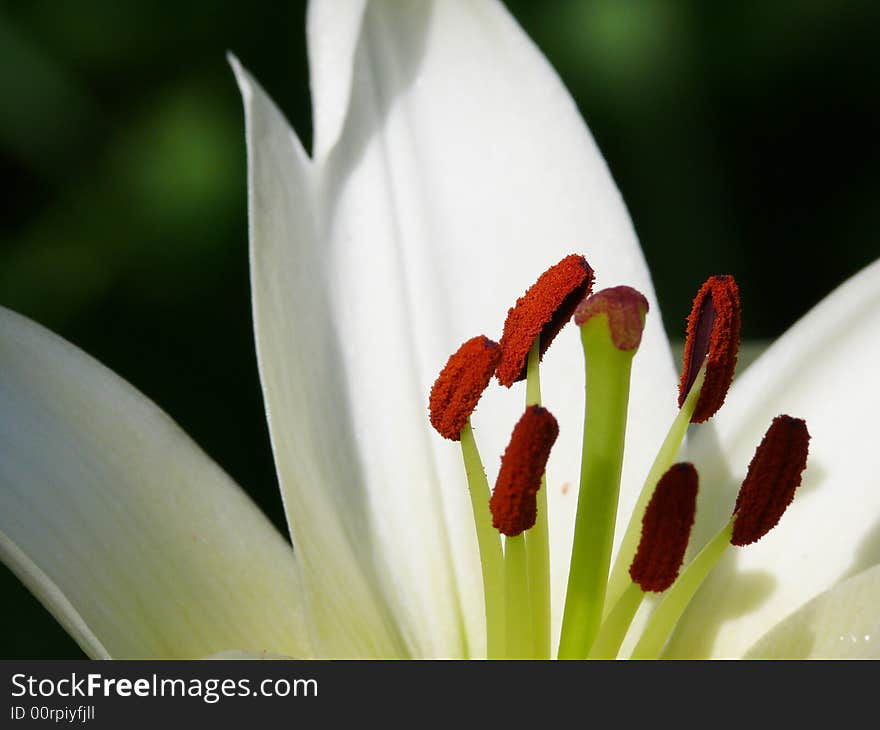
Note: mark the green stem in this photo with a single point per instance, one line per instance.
(676, 599)
(538, 537)
(607, 385)
(489, 543)
(518, 613)
(619, 580)
(615, 626)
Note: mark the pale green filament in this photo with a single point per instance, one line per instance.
(616, 624)
(489, 542)
(518, 615)
(675, 601)
(607, 384)
(538, 537)
(664, 459)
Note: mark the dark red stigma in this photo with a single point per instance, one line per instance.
(625, 308)
(713, 333)
(666, 529)
(513, 503)
(774, 474)
(541, 312)
(460, 385)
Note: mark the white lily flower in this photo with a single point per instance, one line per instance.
(450, 167)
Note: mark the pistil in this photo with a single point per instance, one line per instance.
(611, 324)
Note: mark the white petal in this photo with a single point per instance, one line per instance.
(38, 583)
(136, 541)
(842, 623)
(463, 171)
(333, 28)
(823, 370)
(238, 654)
(305, 393)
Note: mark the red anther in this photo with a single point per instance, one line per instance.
(712, 335)
(460, 384)
(542, 311)
(625, 308)
(666, 529)
(513, 503)
(774, 475)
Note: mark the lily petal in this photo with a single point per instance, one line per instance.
(38, 583)
(842, 623)
(130, 536)
(305, 394)
(333, 29)
(823, 370)
(462, 172)
(238, 654)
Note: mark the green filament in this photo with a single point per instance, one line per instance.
(489, 543)
(518, 613)
(664, 459)
(538, 537)
(676, 599)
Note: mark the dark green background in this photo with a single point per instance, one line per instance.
(743, 136)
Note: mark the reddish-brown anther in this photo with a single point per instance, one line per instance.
(460, 385)
(513, 503)
(774, 474)
(541, 312)
(713, 333)
(666, 529)
(625, 308)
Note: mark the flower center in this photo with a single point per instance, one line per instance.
(602, 599)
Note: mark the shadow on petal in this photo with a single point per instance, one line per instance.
(701, 624)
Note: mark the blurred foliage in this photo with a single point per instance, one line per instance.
(742, 135)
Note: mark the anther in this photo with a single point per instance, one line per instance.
(513, 503)
(625, 308)
(541, 312)
(773, 476)
(666, 528)
(713, 334)
(460, 385)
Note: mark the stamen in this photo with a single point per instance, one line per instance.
(513, 502)
(620, 579)
(666, 528)
(674, 602)
(542, 312)
(538, 536)
(625, 308)
(488, 542)
(713, 334)
(773, 476)
(460, 385)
